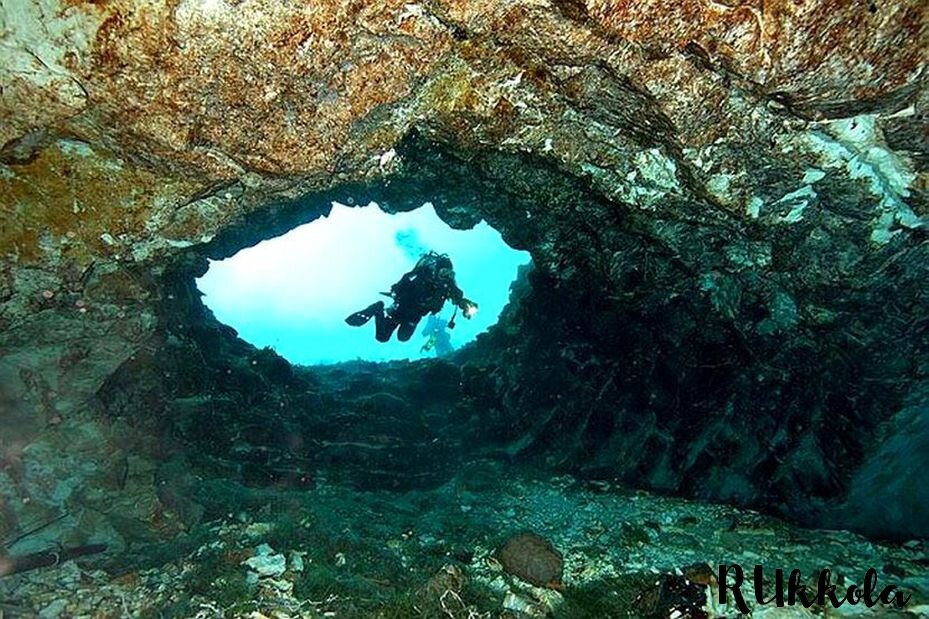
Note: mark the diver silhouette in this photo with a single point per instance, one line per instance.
(422, 291)
(437, 337)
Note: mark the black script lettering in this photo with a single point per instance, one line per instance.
(853, 595)
(870, 584)
(794, 587)
(778, 598)
(890, 595)
(807, 596)
(736, 587)
(824, 588)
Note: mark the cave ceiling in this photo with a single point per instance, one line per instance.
(719, 184)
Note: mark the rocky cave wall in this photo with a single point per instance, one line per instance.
(725, 204)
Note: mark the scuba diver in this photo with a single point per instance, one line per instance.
(437, 337)
(421, 291)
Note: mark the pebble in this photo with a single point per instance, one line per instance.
(53, 610)
(258, 529)
(267, 564)
(296, 561)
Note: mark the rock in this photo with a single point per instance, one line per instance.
(444, 595)
(280, 586)
(296, 561)
(258, 529)
(524, 608)
(53, 610)
(533, 559)
(448, 578)
(265, 563)
(673, 596)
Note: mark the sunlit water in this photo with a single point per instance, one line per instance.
(292, 293)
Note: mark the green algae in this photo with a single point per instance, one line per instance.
(612, 597)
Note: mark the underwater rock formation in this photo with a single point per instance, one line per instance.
(725, 203)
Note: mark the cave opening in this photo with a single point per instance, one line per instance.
(292, 293)
(281, 406)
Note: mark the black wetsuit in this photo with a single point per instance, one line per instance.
(422, 291)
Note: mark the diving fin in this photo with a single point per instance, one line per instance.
(360, 318)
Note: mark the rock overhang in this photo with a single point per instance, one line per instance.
(704, 171)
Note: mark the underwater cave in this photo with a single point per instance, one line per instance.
(292, 293)
(701, 338)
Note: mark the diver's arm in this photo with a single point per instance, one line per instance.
(456, 295)
(467, 306)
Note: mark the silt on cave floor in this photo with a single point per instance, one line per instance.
(336, 552)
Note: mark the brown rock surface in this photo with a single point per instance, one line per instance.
(533, 559)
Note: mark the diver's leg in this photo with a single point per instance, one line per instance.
(406, 330)
(359, 318)
(385, 325)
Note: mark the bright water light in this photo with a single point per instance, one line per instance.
(293, 292)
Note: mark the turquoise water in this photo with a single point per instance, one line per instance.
(292, 293)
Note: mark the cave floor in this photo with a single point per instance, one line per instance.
(329, 551)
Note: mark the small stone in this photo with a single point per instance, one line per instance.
(387, 157)
(258, 529)
(521, 606)
(296, 561)
(53, 610)
(267, 564)
(426, 539)
(281, 585)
